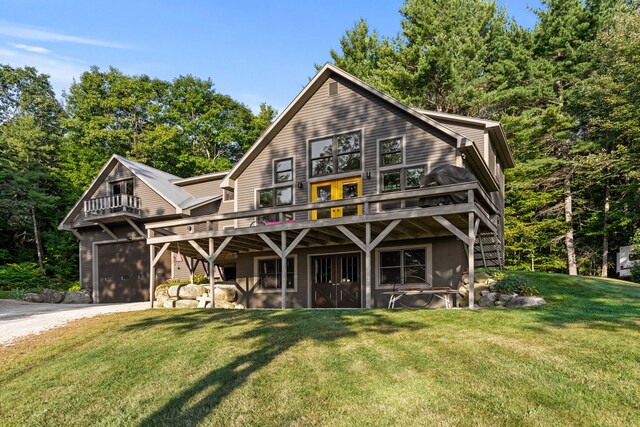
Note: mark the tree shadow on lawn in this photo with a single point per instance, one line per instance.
(276, 332)
(609, 305)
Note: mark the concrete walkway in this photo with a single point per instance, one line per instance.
(20, 319)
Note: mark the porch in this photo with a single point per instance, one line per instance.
(201, 239)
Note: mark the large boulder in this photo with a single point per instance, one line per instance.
(32, 297)
(186, 303)
(51, 296)
(190, 292)
(526, 301)
(225, 293)
(488, 299)
(224, 304)
(83, 296)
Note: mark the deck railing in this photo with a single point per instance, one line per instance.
(117, 203)
(477, 199)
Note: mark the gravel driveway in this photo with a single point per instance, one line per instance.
(20, 319)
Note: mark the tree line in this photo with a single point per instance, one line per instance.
(567, 93)
(51, 150)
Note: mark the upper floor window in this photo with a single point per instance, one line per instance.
(283, 170)
(340, 153)
(122, 187)
(275, 197)
(401, 179)
(391, 152)
(228, 194)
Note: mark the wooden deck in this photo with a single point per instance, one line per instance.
(200, 237)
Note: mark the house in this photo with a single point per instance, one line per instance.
(324, 210)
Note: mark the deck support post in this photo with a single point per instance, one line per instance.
(152, 274)
(212, 280)
(471, 259)
(283, 252)
(367, 266)
(367, 246)
(283, 268)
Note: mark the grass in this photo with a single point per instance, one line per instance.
(575, 361)
(8, 294)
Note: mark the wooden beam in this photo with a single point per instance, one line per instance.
(223, 245)
(382, 235)
(333, 222)
(283, 267)
(272, 245)
(471, 260)
(109, 232)
(152, 274)
(295, 242)
(197, 247)
(155, 260)
(367, 267)
(353, 237)
(135, 227)
(453, 229)
(212, 280)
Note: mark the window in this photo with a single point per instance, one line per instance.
(403, 266)
(122, 187)
(391, 152)
(269, 273)
(341, 153)
(401, 179)
(275, 197)
(283, 170)
(228, 194)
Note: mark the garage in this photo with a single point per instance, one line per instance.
(123, 272)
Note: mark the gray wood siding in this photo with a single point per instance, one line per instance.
(473, 132)
(206, 188)
(351, 109)
(152, 204)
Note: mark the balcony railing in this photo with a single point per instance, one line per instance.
(118, 203)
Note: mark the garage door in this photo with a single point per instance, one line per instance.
(123, 272)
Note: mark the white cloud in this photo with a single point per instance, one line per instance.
(34, 49)
(61, 72)
(22, 32)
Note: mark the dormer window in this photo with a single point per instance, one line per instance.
(122, 187)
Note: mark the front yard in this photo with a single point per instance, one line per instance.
(575, 361)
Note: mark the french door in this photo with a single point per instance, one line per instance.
(336, 190)
(336, 281)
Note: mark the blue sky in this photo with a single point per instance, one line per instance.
(255, 51)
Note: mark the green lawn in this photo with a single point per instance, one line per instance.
(575, 361)
(7, 294)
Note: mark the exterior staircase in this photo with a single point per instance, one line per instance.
(488, 251)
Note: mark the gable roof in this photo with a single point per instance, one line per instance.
(325, 72)
(159, 181)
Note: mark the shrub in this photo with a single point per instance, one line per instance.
(24, 275)
(73, 286)
(635, 272)
(197, 280)
(515, 284)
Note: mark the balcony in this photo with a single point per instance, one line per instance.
(112, 206)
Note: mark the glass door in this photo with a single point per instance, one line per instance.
(336, 190)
